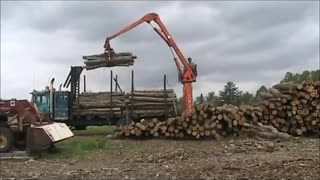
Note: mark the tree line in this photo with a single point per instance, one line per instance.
(231, 94)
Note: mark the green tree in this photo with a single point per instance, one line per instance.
(304, 76)
(247, 98)
(259, 93)
(212, 98)
(230, 94)
(288, 77)
(299, 78)
(179, 103)
(315, 75)
(200, 99)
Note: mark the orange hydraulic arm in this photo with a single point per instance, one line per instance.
(187, 72)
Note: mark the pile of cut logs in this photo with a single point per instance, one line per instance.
(293, 108)
(102, 60)
(287, 108)
(149, 103)
(205, 121)
(99, 104)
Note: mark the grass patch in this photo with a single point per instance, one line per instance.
(94, 130)
(84, 143)
(80, 147)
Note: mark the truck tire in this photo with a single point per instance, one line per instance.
(6, 139)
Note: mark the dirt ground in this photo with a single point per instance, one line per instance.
(170, 159)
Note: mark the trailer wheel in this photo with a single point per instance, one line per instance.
(6, 139)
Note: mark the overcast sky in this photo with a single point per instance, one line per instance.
(250, 43)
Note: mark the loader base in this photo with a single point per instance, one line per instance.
(43, 137)
(15, 155)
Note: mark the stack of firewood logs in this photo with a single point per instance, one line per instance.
(150, 103)
(141, 103)
(103, 60)
(99, 104)
(205, 121)
(293, 108)
(287, 108)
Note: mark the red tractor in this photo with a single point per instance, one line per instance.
(23, 126)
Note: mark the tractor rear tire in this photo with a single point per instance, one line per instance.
(6, 139)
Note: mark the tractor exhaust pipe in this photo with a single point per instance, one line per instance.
(51, 98)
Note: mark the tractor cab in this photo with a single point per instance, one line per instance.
(41, 100)
(55, 105)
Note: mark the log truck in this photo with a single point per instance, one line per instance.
(187, 73)
(23, 126)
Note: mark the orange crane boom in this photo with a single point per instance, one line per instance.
(188, 72)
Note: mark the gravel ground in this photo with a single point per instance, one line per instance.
(237, 158)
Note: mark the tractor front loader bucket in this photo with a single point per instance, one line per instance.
(43, 137)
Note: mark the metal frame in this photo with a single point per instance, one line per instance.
(73, 81)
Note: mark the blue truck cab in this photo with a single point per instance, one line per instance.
(60, 105)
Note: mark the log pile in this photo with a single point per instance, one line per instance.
(150, 103)
(205, 121)
(287, 108)
(142, 103)
(102, 60)
(99, 104)
(293, 108)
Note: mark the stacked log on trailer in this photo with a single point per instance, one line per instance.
(99, 104)
(150, 103)
(205, 121)
(293, 108)
(142, 103)
(102, 60)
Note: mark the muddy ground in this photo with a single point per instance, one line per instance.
(168, 159)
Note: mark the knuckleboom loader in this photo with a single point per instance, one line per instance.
(187, 70)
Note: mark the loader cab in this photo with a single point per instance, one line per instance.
(41, 100)
(60, 104)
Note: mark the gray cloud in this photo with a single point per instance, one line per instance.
(251, 43)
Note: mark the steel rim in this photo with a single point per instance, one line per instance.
(3, 141)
